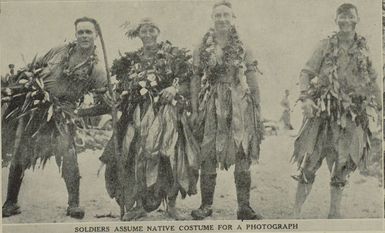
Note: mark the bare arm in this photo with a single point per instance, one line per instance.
(195, 82)
(312, 67)
(375, 89)
(251, 75)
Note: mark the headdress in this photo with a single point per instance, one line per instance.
(133, 30)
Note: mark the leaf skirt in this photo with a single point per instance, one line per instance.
(320, 137)
(229, 122)
(160, 155)
(31, 140)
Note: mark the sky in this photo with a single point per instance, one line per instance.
(281, 33)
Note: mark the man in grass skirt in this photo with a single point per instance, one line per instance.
(338, 108)
(160, 154)
(38, 120)
(225, 102)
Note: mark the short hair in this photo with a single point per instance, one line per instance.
(88, 19)
(224, 3)
(345, 8)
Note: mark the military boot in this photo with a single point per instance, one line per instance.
(242, 184)
(135, 213)
(172, 211)
(73, 209)
(15, 179)
(207, 185)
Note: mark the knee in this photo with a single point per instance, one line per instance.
(242, 168)
(306, 177)
(338, 182)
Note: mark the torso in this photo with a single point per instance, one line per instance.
(347, 64)
(69, 88)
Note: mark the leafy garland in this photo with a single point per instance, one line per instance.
(335, 100)
(233, 54)
(26, 91)
(83, 76)
(141, 78)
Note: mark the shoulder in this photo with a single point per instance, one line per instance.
(55, 53)
(63, 48)
(125, 60)
(362, 42)
(320, 49)
(60, 48)
(327, 43)
(174, 50)
(323, 44)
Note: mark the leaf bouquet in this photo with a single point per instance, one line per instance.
(141, 78)
(340, 103)
(27, 96)
(32, 118)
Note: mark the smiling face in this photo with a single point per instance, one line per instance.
(347, 20)
(85, 34)
(148, 34)
(222, 17)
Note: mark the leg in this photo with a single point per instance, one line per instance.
(337, 184)
(242, 179)
(207, 184)
(172, 211)
(138, 211)
(71, 176)
(15, 178)
(305, 182)
(16, 170)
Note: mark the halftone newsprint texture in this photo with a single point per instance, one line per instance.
(238, 116)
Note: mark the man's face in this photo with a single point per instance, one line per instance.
(85, 35)
(347, 20)
(148, 34)
(222, 17)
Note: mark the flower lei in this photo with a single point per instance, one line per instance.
(233, 54)
(140, 78)
(70, 72)
(334, 100)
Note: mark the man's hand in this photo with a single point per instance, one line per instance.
(308, 108)
(168, 93)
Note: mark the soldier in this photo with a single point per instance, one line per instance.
(160, 154)
(285, 118)
(51, 88)
(226, 108)
(336, 117)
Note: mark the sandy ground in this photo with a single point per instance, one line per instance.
(43, 197)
